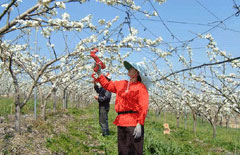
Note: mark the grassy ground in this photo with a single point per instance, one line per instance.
(79, 133)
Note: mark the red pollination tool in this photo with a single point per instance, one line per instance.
(99, 63)
(97, 60)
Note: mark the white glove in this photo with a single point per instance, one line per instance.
(137, 131)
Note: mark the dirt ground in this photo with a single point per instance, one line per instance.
(32, 139)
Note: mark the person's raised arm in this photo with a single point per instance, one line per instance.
(108, 85)
(96, 88)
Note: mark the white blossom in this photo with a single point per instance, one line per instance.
(160, 1)
(147, 15)
(101, 21)
(106, 32)
(45, 2)
(115, 19)
(87, 18)
(223, 53)
(134, 31)
(109, 24)
(155, 13)
(61, 5)
(46, 32)
(65, 16)
(4, 5)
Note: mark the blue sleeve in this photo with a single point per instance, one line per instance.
(97, 89)
(106, 97)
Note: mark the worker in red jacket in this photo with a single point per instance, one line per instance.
(131, 104)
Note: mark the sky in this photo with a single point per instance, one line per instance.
(184, 19)
(178, 22)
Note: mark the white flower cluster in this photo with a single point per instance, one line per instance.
(66, 24)
(45, 2)
(29, 23)
(115, 19)
(160, 1)
(46, 32)
(102, 21)
(161, 53)
(213, 52)
(65, 16)
(5, 5)
(129, 3)
(134, 31)
(61, 5)
(154, 42)
(155, 13)
(235, 64)
(87, 19)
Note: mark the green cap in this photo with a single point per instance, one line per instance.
(127, 65)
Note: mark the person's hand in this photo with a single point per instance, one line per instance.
(96, 97)
(137, 131)
(99, 68)
(99, 71)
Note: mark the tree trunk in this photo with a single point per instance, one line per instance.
(221, 123)
(66, 102)
(185, 120)
(54, 101)
(17, 106)
(79, 101)
(9, 92)
(227, 121)
(71, 101)
(17, 117)
(157, 112)
(44, 110)
(42, 104)
(16, 99)
(35, 103)
(194, 124)
(178, 120)
(45, 102)
(65, 99)
(76, 101)
(214, 126)
(214, 131)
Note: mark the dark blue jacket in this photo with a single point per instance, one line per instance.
(104, 96)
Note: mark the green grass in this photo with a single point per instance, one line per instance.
(83, 134)
(6, 106)
(182, 141)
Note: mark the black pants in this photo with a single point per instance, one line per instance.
(127, 145)
(103, 119)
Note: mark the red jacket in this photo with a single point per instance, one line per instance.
(136, 99)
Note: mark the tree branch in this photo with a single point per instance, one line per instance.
(196, 67)
(14, 21)
(7, 8)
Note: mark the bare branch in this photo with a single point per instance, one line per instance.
(200, 66)
(7, 8)
(14, 21)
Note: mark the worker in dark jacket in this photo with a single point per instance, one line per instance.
(103, 99)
